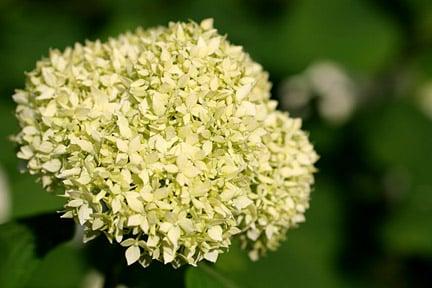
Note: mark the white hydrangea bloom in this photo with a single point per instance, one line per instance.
(165, 140)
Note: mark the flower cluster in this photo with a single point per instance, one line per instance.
(165, 140)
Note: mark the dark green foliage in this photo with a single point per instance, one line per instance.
(369, 224)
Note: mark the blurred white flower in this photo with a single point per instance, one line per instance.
(425, 99)
(93, 279)
(335, 91)
(296, 92)
(4, 197)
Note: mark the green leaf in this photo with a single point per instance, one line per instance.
(205, 276)
(25, 242)
(64, 267)
(18, 261)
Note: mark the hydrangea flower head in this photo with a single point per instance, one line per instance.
(165, 140)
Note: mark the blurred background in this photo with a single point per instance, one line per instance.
(359, 72)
